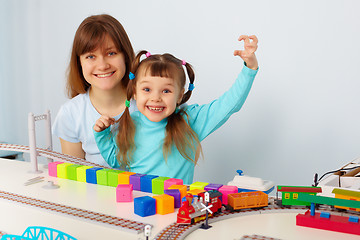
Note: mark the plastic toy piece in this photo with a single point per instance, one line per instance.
(145, 206)
(124, 193)
(247, 183)
(290, 194)
(176, 194)
(91, 175)
(333, 223)
(102, 176)
(71, 172)
(198, 185)
(14, 237)
(158, 185)
(195, 192)
(43, 233)
(181, 188)
(124, 177)
(237, 201)
(213, 186)
(164, 204)
(113, 177)
(347, 194)
(172, 181)
(62, 170)
(146, 183)
(52, 168)
(81, 173)
(225, 190)
(135, 180)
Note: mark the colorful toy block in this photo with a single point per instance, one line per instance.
(113, 177)
(124, 177)
(145, 206)
(353, 219)
(62, 170)
(135, 180)
(81, 173)
(181, 188)
(198, 185)
(71, 172)
(102, 176)
(172, 181)
(225, 190)
(124, 193)
(52, 168)
(146, 183)
(195, 192)
(176, 194)
(158, 185)
(213, 186)
(164, 204)
(91, 175)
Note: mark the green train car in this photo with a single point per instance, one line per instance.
(290, 195)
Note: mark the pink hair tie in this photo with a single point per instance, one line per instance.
(183, 62)
(148, 54)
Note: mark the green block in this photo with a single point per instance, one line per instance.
(113, 177)
(71, 172)
(81, 173)
(198, 185)
(62, 169)
(158, 185)
(102, 176)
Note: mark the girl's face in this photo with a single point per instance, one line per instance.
(157, 97)
(104, 67)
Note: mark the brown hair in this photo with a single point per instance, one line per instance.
(178, 132)
(89, 36)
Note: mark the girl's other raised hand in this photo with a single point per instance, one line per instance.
(103, 122)
(248, 54)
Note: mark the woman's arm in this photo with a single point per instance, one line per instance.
(73, 149)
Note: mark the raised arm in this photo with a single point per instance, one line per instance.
(248, 54)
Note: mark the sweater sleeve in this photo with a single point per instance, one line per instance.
(107, 146)
(205, 119)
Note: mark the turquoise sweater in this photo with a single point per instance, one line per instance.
(204, 119)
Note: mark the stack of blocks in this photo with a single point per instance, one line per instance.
(169, 191)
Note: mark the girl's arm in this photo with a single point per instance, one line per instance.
(107, 146)
(248, 54)
(73, 149)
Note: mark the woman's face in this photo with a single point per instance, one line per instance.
(104, 67)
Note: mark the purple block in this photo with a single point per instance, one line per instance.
(135, 181)
(212, 186)
(177, 196)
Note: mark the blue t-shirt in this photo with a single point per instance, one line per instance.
(149, 136)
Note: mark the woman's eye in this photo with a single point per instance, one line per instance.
(90, 57)
(112, 53)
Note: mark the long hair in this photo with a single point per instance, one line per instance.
(89, 36)
(178, 133)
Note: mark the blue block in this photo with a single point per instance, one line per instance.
(135, 180)
(353, 219)
(177, 196)
(146, 183)
(325, 215)
(91, 175)
(145, 206)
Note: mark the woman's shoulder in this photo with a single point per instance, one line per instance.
(76, 103)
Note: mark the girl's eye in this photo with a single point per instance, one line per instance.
(147, 89)
(166, 91)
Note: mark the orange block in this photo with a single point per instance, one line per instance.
(196, 191)
(182, 189)
(164, 204)
(124, 177)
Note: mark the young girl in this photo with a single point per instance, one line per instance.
(97, 80)
(160, 138)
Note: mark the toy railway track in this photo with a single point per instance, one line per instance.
(122, 223)
(178, 232)
(49, 154)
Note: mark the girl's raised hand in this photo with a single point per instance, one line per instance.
(103, 122)
(248, 54)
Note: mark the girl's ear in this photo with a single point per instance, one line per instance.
(181, 95)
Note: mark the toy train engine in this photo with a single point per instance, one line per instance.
(191, 210)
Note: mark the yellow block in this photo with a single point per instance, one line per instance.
(62, 169)
(81, 173)
(124, 177)
(164, 204)
(198, 185)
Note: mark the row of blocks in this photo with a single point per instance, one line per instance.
(170, 190)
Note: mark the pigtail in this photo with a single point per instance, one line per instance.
(178, 131)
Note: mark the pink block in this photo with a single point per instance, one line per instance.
(52, 167)
(124, 193)
(172, 181)
(225, 190)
